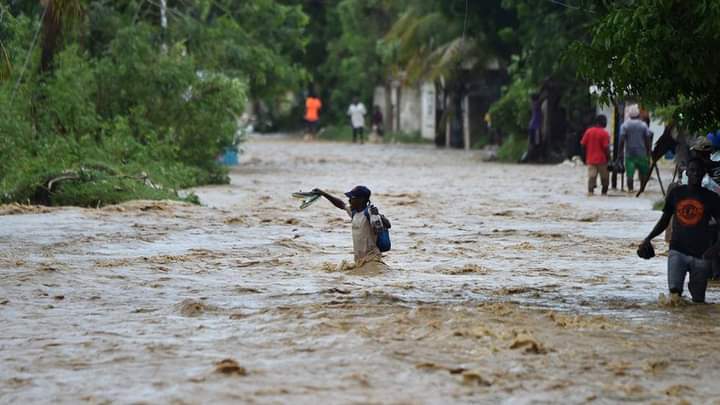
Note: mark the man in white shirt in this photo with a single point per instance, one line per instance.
(357, 112)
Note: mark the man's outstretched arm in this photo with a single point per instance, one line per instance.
(334, 200)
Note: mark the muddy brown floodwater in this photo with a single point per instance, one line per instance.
(507, 284)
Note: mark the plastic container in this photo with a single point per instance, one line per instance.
(229, 157)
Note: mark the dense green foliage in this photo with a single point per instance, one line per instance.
(659, 52)
(100, 103)
(343, 59)
(128, 110)
(511, 113)
(512, 149)
(543, 33)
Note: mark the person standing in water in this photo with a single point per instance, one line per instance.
(365, 249)
(596, 144)
(635, 145)
(690, 207)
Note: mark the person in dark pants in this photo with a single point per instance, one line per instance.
(377, 120)
(312, 114)
(357, 112)
(596, 144)
(690, 207)
(534, 127)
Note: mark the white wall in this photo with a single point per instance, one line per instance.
(410, 109)
(416, 110)
(427, 118)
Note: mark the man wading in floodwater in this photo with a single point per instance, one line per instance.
(691, 245)
(365, 237)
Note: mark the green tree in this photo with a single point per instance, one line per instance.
(659, 52)
(126, 109)
(541, 36)
(59, 18)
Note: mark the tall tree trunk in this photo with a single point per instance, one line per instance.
(51, 30)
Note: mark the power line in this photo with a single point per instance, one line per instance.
(569, 6)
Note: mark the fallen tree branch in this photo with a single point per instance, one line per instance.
(65, 176)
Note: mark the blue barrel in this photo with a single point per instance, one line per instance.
(229, 157)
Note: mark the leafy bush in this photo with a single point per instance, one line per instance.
(128, 122)
(511, 113)
(512, 149)
(340, 133)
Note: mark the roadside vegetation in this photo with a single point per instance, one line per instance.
(103, 101)
(100, 104)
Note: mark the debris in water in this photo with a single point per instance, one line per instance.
(467, 269)
(344, 265)
(657, 366)
(528, 344)
(475, 378)
(230, 366)
(514, 290)
(677, 390)
(16, 209)
(192, 308)
(235, 221)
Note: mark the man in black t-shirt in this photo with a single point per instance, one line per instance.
(690, 207)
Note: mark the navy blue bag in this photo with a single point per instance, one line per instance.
(383, 240)
(383, 235)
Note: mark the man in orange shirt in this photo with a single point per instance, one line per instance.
(312, 113)
(596, 144)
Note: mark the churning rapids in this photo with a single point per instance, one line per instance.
(507, 284)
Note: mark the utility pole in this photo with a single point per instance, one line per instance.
(163, 23)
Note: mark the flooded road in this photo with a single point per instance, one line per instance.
(507, 284)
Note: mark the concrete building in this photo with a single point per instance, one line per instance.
(423, 107)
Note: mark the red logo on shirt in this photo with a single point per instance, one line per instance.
(689, 212)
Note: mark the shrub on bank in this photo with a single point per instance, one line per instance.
(132, 123)
(512, 149)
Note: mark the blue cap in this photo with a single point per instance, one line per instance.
(359, 192)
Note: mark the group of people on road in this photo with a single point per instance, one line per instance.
(691, 212)
(634, 149)
(356, 112)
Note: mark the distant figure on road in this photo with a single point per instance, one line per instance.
(377, 121)
(367, 225)
(357, 112)
(596, 145)
(690, 207)
(312, 114)
(534, 129)
(635, 146)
